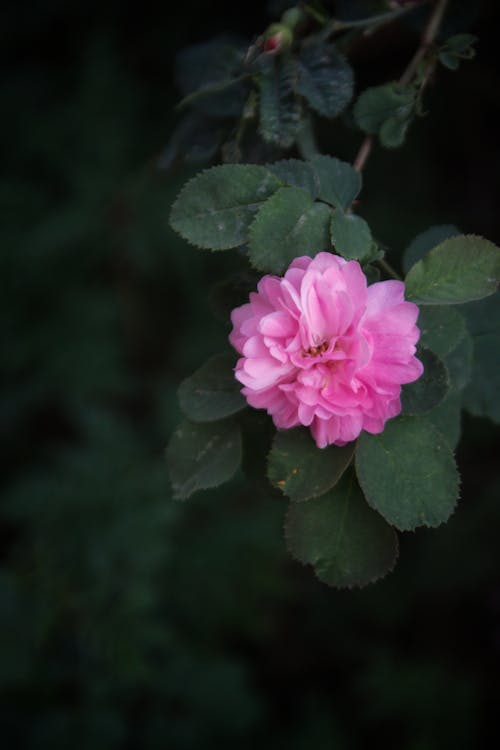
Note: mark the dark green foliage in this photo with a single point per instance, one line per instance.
(457, 48)
(200, 456)
(441, 328)
(205, 67)
(324, 177)
(131, 622)
(339, 184)
(408, 473)
(458, 270)
(215, 209)
(426, 241)
(430, 389)
(301, 471)
(288, 225)
(347, 543)
(351, 236)
(386, 110)
(212, 392)
(297, 173)
(324, 78)
(279, 108)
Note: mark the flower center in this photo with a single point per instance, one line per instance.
(313, 351)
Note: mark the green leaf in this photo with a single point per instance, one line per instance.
(212, 392)
(280, 109)
(215, 209)
(300, 469)
(338, 182)
(346, 542)
(202, 67)
(441, 329)
(482, 395)
(426, 241)
(446, 417)
(351, 236)
(289, 224)
(200, 456)
(325, 79)
(459, 362)
(458, 270)
(460, 43)
(393, 132)
(408, 473)
(449, 60)
(381, 103)
(430, 389)
(296, 173)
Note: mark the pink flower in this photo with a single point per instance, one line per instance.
(320, 348)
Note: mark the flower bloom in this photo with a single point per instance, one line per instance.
(321, 348)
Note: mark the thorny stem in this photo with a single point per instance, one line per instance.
(428, 37)
(427, 40)
(363, 153)
(366, 23)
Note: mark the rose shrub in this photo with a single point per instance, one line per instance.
(321, 348)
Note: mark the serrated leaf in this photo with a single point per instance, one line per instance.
(200, 456)
(215, 209)
(212, 392)
(446, 417)
(458, 270)
(459, 362)
(431, 387)
(441, 328)
(408, 473)
(325, 79)
(202, 67)
(426, 241)
(393, 132)
(338, 182)
(351, 236)
(482, 395)
(380, 103)
(280, 109)
(300, 469)
(296, 173)
(346, 542)
(289, 224)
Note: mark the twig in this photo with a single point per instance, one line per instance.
(428, 37)
(427, 41)
(363, 153)
(366, 23)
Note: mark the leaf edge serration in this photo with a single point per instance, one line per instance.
(188, 184)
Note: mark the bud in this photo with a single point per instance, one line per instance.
(277, 38)
(292, 17)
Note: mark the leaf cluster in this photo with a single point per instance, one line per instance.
(342, 521)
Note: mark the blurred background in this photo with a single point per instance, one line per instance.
(131, 621)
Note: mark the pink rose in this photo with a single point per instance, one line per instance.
(320, 348)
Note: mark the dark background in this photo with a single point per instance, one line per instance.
(131, 621)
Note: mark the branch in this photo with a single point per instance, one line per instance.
(427, 40)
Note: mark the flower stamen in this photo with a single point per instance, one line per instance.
(313, 351)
